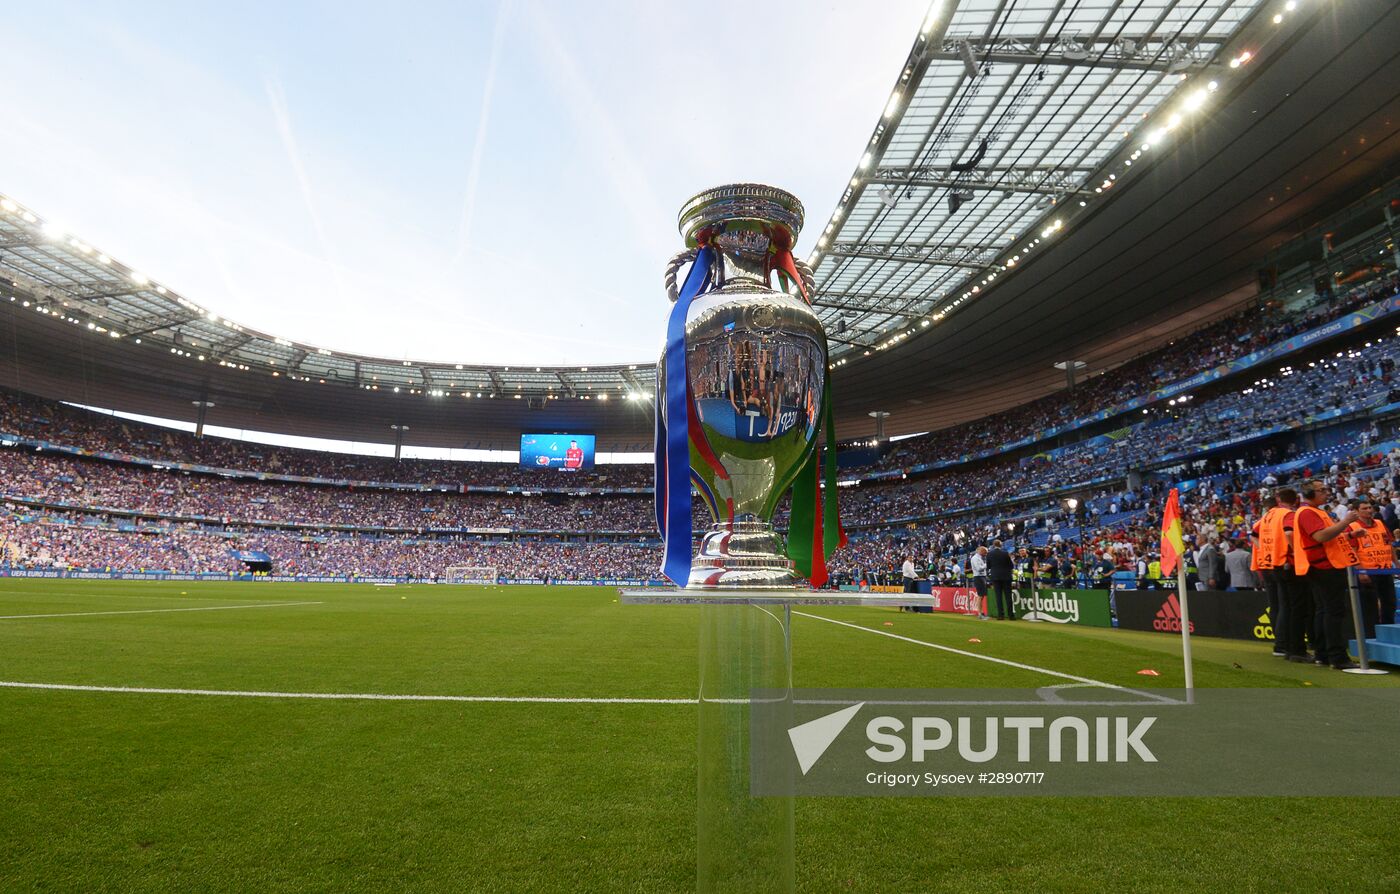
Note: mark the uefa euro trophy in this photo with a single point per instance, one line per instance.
(742, 393)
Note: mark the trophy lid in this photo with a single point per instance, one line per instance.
(741, 201)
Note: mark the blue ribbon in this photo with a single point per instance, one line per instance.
(673, 501)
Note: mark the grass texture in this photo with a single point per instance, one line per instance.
(106, 791)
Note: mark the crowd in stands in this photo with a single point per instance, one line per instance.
(1215, 344)
(189, 550)
(1352, 379)
(981, 493)
(62, 479)
(74, 427)
(74, 481)
(1122, 533)
(1211, 346)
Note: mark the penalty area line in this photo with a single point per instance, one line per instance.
(158, 611)
(353, 696)
(1004, 661)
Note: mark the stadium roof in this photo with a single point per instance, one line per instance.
(1167, 233)
(937, 313)
(1004, 115)
(78, 283)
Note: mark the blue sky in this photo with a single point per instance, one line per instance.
(468, 182)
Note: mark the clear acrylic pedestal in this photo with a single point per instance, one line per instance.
(744, 843)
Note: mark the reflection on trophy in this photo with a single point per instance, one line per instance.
(752, 384)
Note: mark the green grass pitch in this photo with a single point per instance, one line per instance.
(119, 791)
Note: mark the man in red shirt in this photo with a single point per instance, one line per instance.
(573, 457)
(1322, 553)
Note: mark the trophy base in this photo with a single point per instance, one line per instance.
(742, 555)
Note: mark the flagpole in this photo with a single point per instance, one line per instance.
(1174, 545)
(1185, 627)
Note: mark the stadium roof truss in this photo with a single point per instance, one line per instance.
(54, 273)
(1007, 114)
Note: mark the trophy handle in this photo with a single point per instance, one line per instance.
(809, 276)
(677, 262)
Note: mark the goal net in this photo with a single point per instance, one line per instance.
(472, 574)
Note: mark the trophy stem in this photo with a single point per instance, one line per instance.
(743, 843)
(742, 555)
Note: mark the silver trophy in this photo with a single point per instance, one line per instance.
(756, 361)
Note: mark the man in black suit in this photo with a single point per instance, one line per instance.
(999, 569)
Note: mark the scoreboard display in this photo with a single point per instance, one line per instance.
(567, 453)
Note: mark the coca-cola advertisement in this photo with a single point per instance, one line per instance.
(960, 600)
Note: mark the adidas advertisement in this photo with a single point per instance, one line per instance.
(1238, 615)
(1169, 618)
(1089, 607)
(1264, 629)
(1096, 739)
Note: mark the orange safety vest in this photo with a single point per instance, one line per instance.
(1374, 545)
(1339, 550)
(1258, 547)
(1273, 542)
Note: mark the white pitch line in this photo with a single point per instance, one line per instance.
(155, 611)
(355, 696)
(1005, 661)
(83, 594)
(504, 699)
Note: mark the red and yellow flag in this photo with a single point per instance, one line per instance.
(1173, 547)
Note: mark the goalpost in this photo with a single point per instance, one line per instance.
(472, 574)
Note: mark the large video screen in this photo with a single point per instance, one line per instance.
(568, 453)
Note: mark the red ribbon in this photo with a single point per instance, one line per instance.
(782, 259)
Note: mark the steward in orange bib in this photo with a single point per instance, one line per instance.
(1294, 623)
(1276, 532)
(1375, 546)
(1322, 554)
(1261, 563)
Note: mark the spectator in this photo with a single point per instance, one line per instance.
(1238, 568)
(1210, 565)
(978, 564)
(999, 572)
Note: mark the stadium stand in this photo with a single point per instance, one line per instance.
(84, 489)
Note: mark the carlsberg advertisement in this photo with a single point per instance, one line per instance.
(1089, 607)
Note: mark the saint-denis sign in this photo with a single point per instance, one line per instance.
(1080, 739)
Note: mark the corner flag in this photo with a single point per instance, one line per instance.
(1173, 548)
